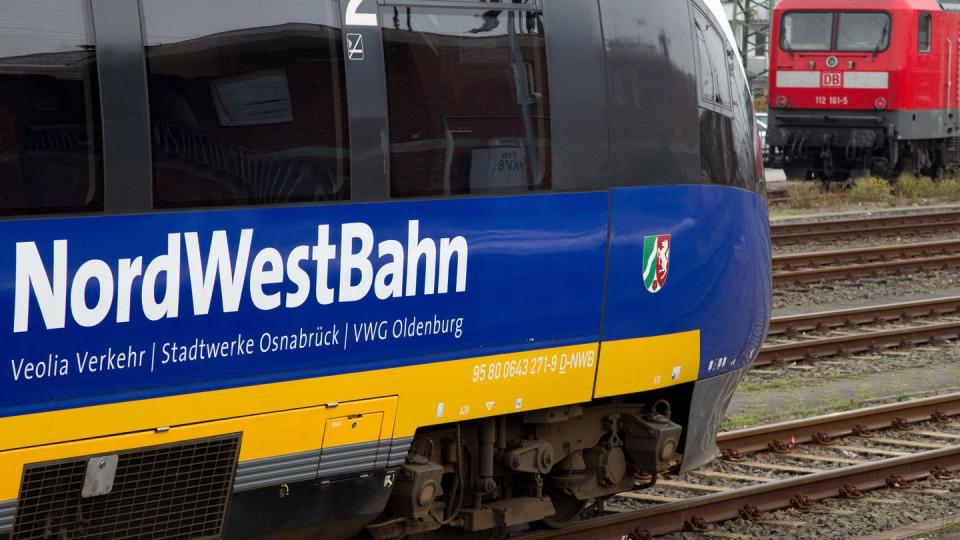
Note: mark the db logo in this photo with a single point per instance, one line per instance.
(831, 79)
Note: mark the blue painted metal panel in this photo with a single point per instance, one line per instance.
(718, 278)
(534, 278)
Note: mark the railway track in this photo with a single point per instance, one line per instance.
(778, 196)
(803, 268)
(846, 331)
(945, 221)
(909, 459)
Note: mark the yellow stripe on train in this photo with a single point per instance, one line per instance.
(289, 417)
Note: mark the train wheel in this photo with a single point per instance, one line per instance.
(795, 172)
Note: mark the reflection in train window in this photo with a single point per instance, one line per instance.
(714, 62)
(50, 145)
(467, 92)
(247, 102)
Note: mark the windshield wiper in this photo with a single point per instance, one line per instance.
(883, 36)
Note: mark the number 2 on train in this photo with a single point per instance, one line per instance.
(353, 18)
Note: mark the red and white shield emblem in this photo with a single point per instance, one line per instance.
(656, 261)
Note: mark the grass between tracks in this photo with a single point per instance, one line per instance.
(753, 418)
(869, 192)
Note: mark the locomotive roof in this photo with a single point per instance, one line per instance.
(886, 5)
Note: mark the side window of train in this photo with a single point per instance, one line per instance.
(714, 64)
(247, 102)
(50, 127)
(468, 98)
(924, 32)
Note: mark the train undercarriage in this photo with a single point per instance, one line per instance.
(502, 473)
(811, 145)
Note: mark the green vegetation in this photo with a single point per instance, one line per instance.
(772, 384)
(746, 419)
(870, 189)
(870, 192)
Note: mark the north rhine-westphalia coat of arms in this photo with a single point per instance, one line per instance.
(656, 261)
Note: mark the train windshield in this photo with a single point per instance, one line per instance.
(807, 31)
(855, 31)
(863, 31)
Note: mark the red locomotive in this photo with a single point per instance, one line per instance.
(864, 85)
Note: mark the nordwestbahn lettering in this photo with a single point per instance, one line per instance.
(231, 265)
(239, 297)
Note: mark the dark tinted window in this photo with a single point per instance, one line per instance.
(468, 100)
(247, 101)
(50, 157)
(652, 88)
(714, 63)
(923, 33)
(706, 74)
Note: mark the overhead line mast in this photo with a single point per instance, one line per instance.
(750, 20)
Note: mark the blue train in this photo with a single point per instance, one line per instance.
(393, 268)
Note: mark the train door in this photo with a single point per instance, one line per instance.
(461, 118)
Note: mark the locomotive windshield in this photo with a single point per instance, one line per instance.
(863, 31)
(807, 31)
(855, 31)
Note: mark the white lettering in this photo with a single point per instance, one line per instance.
(94, 269)
(260, 276)
(219, 269)
(355, 260)
(31, 274)
(417, 248)
(169, 265)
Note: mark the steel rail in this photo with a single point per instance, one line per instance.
(697, 511)
(878, 253)
(686, 514)
(855, 422)
(812, 275)
(849, 317)
(812, 349)
(944, 221)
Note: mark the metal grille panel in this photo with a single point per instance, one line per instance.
(171, 491)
